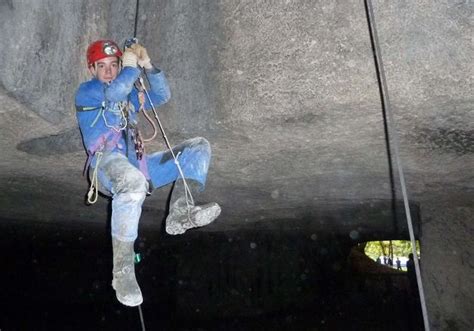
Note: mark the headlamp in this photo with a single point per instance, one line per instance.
(110, 49)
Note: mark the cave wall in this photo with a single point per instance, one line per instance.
(287, 58)
(447, 265)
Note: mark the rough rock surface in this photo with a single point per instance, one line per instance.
(447, 265)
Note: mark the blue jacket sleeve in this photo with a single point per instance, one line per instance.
(160, 91)
(119, 89)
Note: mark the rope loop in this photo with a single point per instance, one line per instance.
(93, 193)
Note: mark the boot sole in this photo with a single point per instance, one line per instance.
(129, 301)
(202, 217)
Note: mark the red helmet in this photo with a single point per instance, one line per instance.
(101, 49)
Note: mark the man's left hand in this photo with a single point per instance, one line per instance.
(142, 54)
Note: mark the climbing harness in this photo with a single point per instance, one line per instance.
(123, 119)
(396, 146)
(93, 193)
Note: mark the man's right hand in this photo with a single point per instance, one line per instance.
(129, 58)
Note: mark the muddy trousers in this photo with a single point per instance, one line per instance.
(119, 178)
(128, 187)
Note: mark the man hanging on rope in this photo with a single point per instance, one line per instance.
(107, 107)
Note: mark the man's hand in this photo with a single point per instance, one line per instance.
(142, 54)
(129, 58)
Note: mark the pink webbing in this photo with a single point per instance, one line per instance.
(105, 141)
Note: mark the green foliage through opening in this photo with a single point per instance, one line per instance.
(393, 249)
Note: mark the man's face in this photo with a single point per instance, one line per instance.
(106, 69)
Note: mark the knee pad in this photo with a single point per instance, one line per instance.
(117, 175)
(132, 182)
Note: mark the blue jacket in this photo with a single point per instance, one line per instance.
(101, 110)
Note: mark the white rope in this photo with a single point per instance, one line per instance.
(396, 144)
(123, 119)
(135, 35)
(141, 317)
(93, 193)
(187, 190)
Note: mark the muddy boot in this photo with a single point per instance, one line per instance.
(124, 282)
(182, 218)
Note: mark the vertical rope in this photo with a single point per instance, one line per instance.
(188, 194)
(137, 4)
(141, 317)
(142, 320)
(187, 190)
(394, 135)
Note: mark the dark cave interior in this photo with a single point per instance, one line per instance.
(248, 279)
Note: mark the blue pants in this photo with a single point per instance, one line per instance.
(128, 186)
(193, 156)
